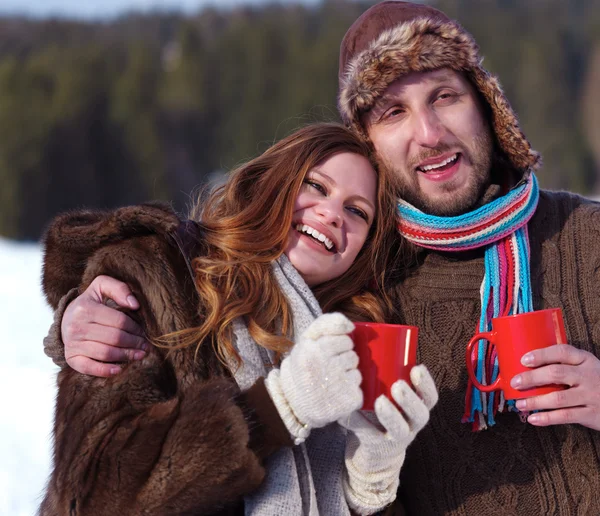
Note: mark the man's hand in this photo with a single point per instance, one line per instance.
(94, 334)
(566, 365)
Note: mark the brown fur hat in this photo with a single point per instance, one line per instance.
(394, 38)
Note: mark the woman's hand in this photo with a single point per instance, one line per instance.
(376, 446)
(319, 382)
(94, 334)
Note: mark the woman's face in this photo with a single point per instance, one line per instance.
(332, 217)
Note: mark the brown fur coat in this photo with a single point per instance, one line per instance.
(171, 434)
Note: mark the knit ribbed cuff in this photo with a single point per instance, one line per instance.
(367, 497)
(298, 430)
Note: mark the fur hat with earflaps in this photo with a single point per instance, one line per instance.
(394, 38)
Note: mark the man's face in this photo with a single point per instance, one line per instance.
(429, 129)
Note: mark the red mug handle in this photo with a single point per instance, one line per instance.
(489, 336)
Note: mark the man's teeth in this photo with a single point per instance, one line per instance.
(303, 228)
(427, 168)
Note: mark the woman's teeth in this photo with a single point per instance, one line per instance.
(303, 228)
(428, 168)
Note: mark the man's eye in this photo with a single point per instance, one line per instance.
(393, 113)
(445, 97)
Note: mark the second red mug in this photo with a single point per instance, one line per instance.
(513, 336)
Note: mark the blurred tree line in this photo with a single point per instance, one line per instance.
(149, 107)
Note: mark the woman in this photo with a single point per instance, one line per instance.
(189, 429)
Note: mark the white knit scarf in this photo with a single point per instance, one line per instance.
(305, 480)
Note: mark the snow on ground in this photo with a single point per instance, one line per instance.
(27, 381)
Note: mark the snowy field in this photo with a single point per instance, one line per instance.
(27, 381)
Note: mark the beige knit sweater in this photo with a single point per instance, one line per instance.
(513, 467)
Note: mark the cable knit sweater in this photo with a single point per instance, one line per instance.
(513, 467)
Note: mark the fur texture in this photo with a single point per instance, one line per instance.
(75, 236)
(171, 434)
(394, 38)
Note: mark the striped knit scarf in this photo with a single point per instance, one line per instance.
(500, 226)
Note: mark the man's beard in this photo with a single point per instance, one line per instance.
(456, 203)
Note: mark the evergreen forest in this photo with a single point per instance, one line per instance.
(153, 106)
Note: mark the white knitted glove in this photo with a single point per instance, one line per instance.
(318, 382)
(375, 449)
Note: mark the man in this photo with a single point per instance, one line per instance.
(411, 82)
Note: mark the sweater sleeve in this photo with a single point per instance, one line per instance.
(171, 434)
(268, 432)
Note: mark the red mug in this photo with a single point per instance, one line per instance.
(513, 336)
(386, 353)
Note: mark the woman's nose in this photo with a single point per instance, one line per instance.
(331, 214)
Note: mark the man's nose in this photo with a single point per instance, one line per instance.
(428, 129)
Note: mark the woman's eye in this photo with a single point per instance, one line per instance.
(359, 212)
(316, 186)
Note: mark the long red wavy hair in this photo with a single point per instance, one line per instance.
(245, 225)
